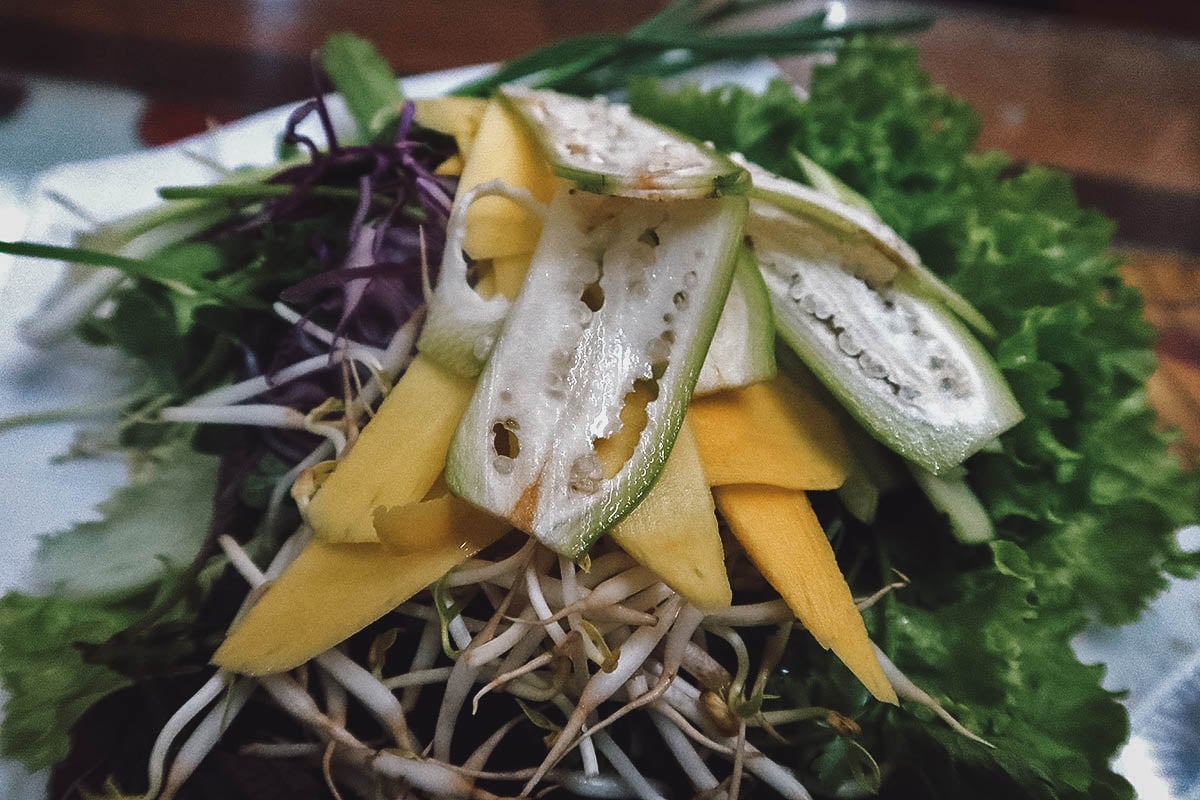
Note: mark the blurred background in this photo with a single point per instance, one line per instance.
(1106, 89)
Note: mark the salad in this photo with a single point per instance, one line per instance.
(690, 443)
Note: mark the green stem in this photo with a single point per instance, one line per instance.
(886, 576)
(801, 36)
(251, 192)
(558, 75)
(130, 228)
(214, 365)
(63, 414)
(548, 57)
(150, 269)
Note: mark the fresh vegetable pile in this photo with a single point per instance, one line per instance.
(533, 487)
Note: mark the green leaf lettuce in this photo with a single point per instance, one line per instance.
(1083, 493)
(49, 683)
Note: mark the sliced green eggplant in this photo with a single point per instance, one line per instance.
(899, 362)
(579, 405)
(603, 148)
(880, 255)
(743, 348)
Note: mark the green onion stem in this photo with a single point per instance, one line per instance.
(150, 269)
(81, 411)
(602, 63)
(251, 192)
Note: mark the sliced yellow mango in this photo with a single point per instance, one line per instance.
(442, 523)
(329, 593)
(509, 273)
(485, 284)
(771, 433)
(454, 116)
(615, 451)
(783, 538)
(673, 531)
(496, 226)
(397, 457)
(451, 166)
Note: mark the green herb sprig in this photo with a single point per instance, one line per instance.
(682, 36)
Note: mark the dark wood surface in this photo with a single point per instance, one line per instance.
(1113, 104)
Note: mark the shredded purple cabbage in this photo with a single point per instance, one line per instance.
(369, 280)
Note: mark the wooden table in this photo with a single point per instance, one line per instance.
(1119, 108)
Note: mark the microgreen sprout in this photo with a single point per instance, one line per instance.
(521, 650)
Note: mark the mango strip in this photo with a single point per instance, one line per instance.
(452, 166)
(454, 116)
(332, 591)
(442, 523)
(781, 534)
(502, 148)
(770, 433)
(509, 273)
(398, 456)
(673, 531)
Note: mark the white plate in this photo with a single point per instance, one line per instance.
(40, 497)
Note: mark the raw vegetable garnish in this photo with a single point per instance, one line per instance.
(401, 640)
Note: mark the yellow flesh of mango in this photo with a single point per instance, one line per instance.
(673, 531)
(771, 433)
(398, 456)
(332, 591)
(442, 523)
(498, 227)
(509, 273)
(781, 534)
(454, 116)
(452, 166)
(485, 285)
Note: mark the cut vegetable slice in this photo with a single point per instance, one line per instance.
(503, 150)
(783, 538)
(332, 591)
(462, 324)
(770, 433)
(397, 457)
(452, 166)
(827, 183)
(743, 348)
(603, 148)
(862, 242)
(866, 246)
(673, 531)
(900, 363)
(608, 334)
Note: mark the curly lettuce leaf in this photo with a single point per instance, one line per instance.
(1083, 492)
(1001, 662)
(62, 653)
(49, 683)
